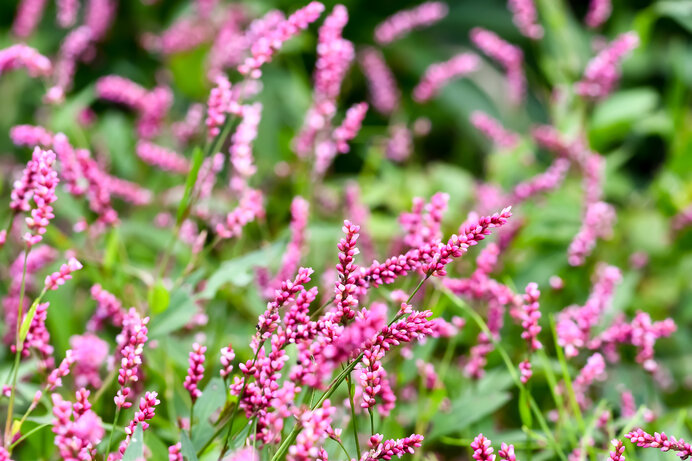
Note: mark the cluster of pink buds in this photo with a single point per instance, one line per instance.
(195, 372)
(175, 452)
(184, 34)
(226, 360)
(151, 106)
(90, 353)
(218, 105)
(249, 208)
(56, 279)
(108, 308)
(147, 407)
(660, 441)
(599, 12)
(387, 449)
(438, 75)
(55, 377)
(67, 12)
(530, 314)
(482, 449)
(598, 223)
(241, 145)
(493, 130)
(18, 56)
(38, 182)
(131, 343)
(161, 157)
(31, 136)
(423, 224)
(264, 46)
(525, 18)
(403, 22)
(78, 430)
(76, 45)
(595, 369)
(384, 92)
(350, 126)
(316, 427)
(549, 180)
(189, 127)
(345, 288)
(28, 16)
(509, 56)
(400, 143)
(603, 72)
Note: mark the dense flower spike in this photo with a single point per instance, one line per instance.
(509, 56)
(161, 157)
(56, 279)
(226, 360)
(603, 72)
(618, 450)
(78, 430)
(506, 453)
(482, 450)
(529, 317)
(660, 441)
(195, 372)
(175, 452)
(130, 348)
(400, 143)
(599, 12)
(90, 353)
(345, 288)
(403, 22)
(384, 93)
(593, 370)
(493, 130)
(316, 427)
(54, 379)
(389, 448)
(349, 127)
(218, 105)
(29, 14)
(549, 180)
(249, 208)
(598, 223)
(23, 56)
(525, 17)
(147, 407)
(241, 145)
(67, 12)
(266, 44)
(109, 308)
(31, 136)
(438, 75)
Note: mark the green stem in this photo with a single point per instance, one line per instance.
(110, 438)
(354, 420)
(192, 417)
(18, 353)
(343, 448)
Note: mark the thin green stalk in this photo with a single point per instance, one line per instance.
(115, 421)
(17, 354)
(354, 420)
(343, 448)
(372, 421)
(27, 435)
(321, 308)
(568, 380)
(192, 417)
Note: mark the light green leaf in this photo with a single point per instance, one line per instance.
(135, 451)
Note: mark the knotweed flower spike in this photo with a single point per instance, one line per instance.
(603, 72)
(384, 93)
(195, 372)
(525, 17)
(22, 56)
(660, 441)
(438, 75)
(405, 21)
(508, 56)
(599, 12)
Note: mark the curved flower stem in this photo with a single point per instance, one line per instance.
(110, 438)
(353, 413)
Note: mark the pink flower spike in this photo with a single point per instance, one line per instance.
(265, 45)
(509, 56)
(525, 17)
(598, 223)
(67, 12)
(175, 452)
(384, 93)
(506, 453)
(438, 75)
(594, 370)
(195, 372)
(390, 448)
(249, 208)
(599, 12)
(618, 452)
(660, 441)
(56, 279)
(403, 22)
(226, 360)
(161, 157)
(482, 450)
(31, 136)
(55, 377)
(345, 290)
(241, 143)
(29, 14)
(350, 126)
(218, 105)
(603, 72)
(493, 130)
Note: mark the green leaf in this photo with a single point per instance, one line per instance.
(187, 449)
(471, 407)
(184, 206)
(26, 323)
(213, 397)
(240, 271)
(159, 298)
(180, 310)
(135, 451)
